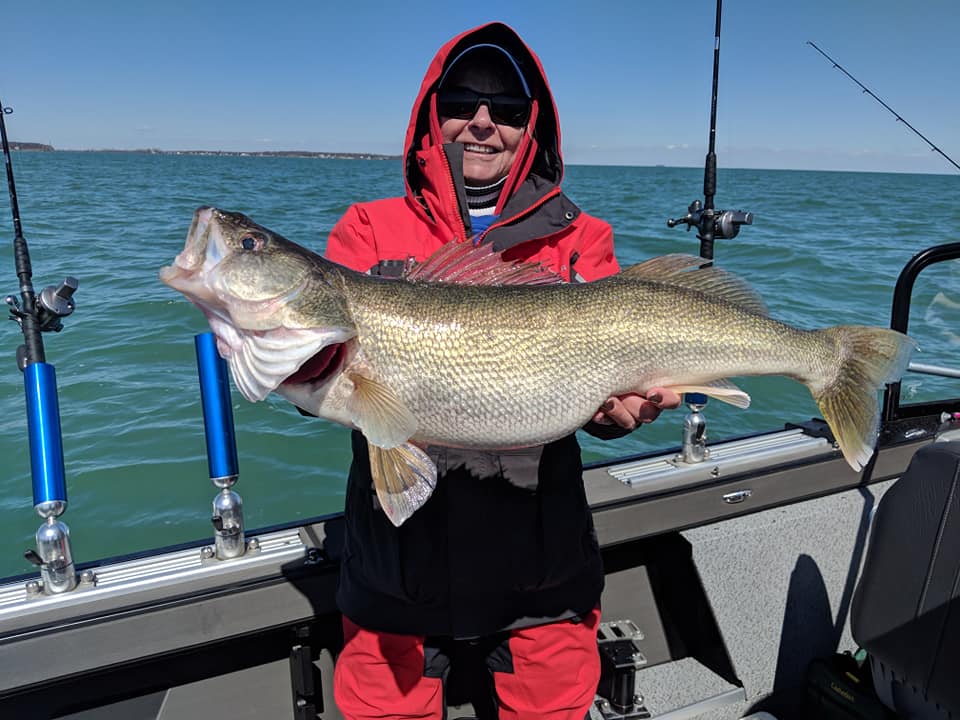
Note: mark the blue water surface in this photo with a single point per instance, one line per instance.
(825, 248)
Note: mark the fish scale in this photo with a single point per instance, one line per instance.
(465, 358)
(463, 376)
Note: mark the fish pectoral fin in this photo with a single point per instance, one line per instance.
(723, 390)
(404, 478)
(379, 413)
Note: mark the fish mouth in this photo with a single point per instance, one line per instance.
(319, 367)
(200, 242)
(201, 249)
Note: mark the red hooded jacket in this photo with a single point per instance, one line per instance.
(507, 538)
(536, 222)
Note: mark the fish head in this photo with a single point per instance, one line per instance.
(272, 304)
(231, 266)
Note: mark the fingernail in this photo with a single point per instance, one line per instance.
(654, 397)
(608, 405)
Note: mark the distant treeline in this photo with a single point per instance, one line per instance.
(30, 146)
(261, 153)
(274, 153)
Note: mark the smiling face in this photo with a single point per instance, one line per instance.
(489, 146)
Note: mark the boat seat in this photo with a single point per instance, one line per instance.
(906, 608)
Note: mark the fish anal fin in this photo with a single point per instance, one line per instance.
(382, 416)
(722, 390)
(404, 478)
(694, 273)
(467, 264)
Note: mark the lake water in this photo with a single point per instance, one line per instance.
(825, 248)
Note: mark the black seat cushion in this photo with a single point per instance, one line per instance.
(906, 609)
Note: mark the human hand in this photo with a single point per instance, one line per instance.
(631, 410)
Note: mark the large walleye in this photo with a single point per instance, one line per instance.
(465, 353)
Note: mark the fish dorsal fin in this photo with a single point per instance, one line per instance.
(685, 271)
(468, 264)
(404, 478)
(381, 416)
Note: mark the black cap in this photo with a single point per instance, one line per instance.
(486, 68)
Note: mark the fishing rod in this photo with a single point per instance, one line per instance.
(897, 115)
(36, 314)
(711, 223)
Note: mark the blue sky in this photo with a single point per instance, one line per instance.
(631, 78)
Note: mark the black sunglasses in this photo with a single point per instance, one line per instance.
(461, 103)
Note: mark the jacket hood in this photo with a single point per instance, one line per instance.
(539, 151)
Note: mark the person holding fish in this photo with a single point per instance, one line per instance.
(503, 555)
(467, 529)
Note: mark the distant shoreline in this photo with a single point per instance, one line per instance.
(40, 147)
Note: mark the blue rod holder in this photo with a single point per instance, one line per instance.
(46, 444)
(695, 398)
(217, 412)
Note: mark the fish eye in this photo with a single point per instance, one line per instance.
(249, 242)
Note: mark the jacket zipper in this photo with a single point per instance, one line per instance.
(453, 194)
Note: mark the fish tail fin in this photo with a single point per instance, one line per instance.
(869, 358)
(404, 478)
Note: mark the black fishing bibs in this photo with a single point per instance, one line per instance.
(506, 540)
